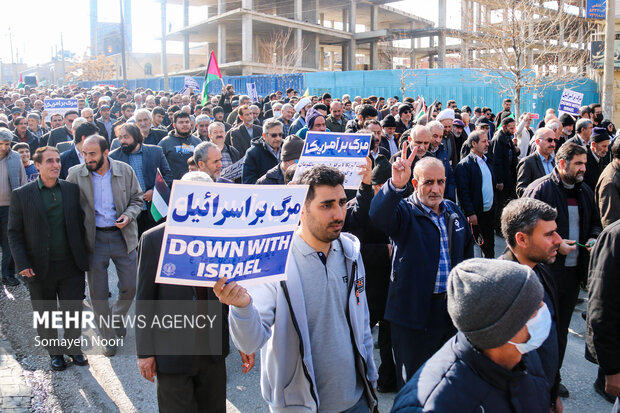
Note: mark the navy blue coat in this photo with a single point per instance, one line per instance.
(152, 158)
(469, 184)
(415, 259)
(459, 378)
(68, 159)
(258, 160)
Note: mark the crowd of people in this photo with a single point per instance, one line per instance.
(455, 333)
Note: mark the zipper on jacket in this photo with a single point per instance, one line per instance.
(301, 342)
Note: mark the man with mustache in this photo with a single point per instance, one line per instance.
(578, 220)
(111, 201)
(529, 227)
(430, 236)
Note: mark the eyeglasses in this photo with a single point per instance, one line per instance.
(405, 112)
(275, 135)
(549, 140)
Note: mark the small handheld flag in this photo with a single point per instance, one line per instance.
(161, 197)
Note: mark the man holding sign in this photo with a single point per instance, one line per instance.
(318, 318)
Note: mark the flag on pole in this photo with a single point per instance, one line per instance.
(21, 83)
(212, 73)
(306, 93)
(161, 197)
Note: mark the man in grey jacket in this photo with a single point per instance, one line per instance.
(313, 329)
(111, 199)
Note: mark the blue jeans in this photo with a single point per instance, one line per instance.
(8, 267)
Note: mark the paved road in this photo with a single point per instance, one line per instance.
(114, 384)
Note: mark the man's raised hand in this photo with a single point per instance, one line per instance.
(401, 168)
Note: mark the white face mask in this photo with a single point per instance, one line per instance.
(276, 113)
(539, 328)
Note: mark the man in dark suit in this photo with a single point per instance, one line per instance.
(184, 382)
(241, 136)
(62, 134)
(145, 160)
(598, 156)
(539, 163)
(73, 156)
(46, 235)
(474, 185)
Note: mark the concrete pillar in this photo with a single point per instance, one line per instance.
(374, 56)
(221, 6)
(374, 17)
(221, 43)
(246, 38)
(332, 57)
(299, 45)
(344, 47)
(186, 35)
(352, 43)
(431, 56)
(345, 18)
(441, 23)
(164, 60)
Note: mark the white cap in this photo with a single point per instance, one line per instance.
(304, 101)
(445, 114)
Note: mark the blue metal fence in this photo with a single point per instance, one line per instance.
(466, 86)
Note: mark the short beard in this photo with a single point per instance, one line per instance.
(97, 167)
(181, 135)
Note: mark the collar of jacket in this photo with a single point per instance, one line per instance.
(115, 171)
(491, 372)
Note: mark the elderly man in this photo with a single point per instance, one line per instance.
(208, 159)
(498, 309)
(538, 164)
(430, 236)
(202, 127)
(12, 176)
(144, 121)
(335, 122)
(598, 156)
(607, 190)
(446, 118)
(301, 107)
(389, 140)
(584, 128)
(286, 118)
(264, 153)
(111, 201)
(290, 154)
(34, 125)
(217, 135)
(23, 134)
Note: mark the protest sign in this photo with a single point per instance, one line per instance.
(570, 102)
(62, 106)
(189, 84)
(344, 151)
(242, 232)
(252, 92)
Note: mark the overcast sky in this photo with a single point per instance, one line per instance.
(35, 26)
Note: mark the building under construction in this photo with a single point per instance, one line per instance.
(278, 36)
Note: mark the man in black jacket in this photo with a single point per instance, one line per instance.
(290, 154)
(529, 228)
(578, 220)
(73, 156)
(598, 156)
(603, 319)
(241, 136)
(264, 153)
(62, 134)
(474, 185)
(46, 235)
(538, 164)
(504, 155)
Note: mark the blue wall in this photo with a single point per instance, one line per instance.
(466, 86)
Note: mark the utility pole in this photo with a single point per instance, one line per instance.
(13, 66)
(123, 59)
(62, 51)
(164, 60)
(608, 76)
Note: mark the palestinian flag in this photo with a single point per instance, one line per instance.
(21, 83)
(161, 197)
(212, 73)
